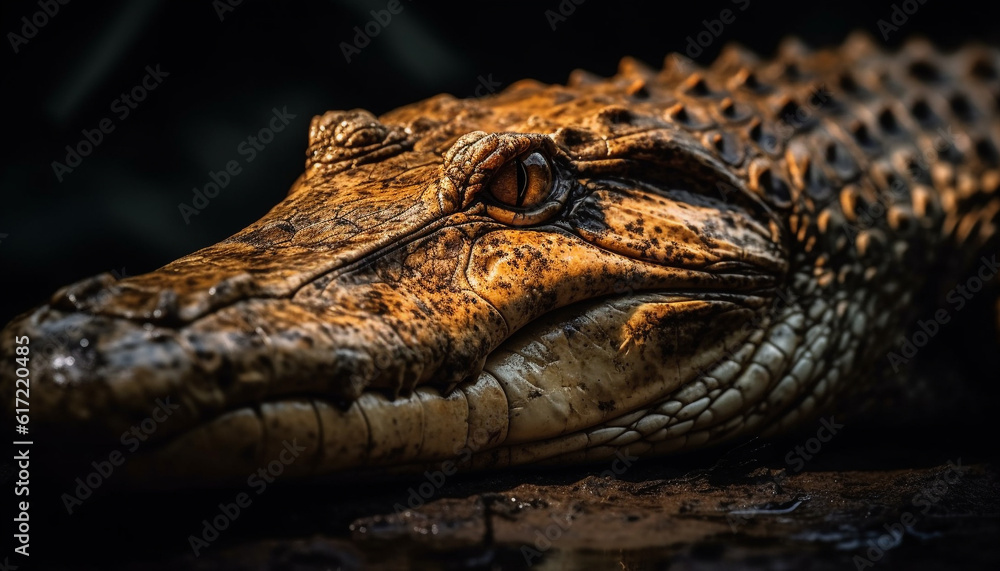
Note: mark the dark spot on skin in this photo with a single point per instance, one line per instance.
(864, 137)
(923, 113)
(887, 121)
(730, 110)
(962, 108)
(983, 69)
(751, 82)
(924, 71)
(615, 116)
(792, 72)
(572, 137)
(817, 183)
(774, 186)
(767, 141)
(821, 98)
(987, 151)
(848, 84)
(840, 159)
(534, 393)
(699, 88)
(789, 113)
(606, 405)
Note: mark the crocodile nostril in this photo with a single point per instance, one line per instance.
(166, 308)
(83, 294)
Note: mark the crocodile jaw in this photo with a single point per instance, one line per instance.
(388, 318)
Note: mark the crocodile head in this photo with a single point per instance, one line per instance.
(548, 274)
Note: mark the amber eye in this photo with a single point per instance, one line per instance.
(524, 182)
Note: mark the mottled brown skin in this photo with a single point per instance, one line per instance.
(737, 247)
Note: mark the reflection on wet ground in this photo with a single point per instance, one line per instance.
(868, 497)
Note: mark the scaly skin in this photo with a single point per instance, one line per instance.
(721, 252)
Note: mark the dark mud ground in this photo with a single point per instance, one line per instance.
(846, 509)
(909, 485)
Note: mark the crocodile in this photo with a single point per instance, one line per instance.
(663, 260)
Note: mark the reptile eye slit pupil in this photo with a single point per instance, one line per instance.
(522, 182)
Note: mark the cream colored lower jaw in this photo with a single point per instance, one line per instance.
(575, 384)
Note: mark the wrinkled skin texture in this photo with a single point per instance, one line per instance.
(708, 262)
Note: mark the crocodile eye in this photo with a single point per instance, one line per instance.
(523, 183)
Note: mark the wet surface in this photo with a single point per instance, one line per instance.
(869, 495)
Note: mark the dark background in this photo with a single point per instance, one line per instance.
(118, 211)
